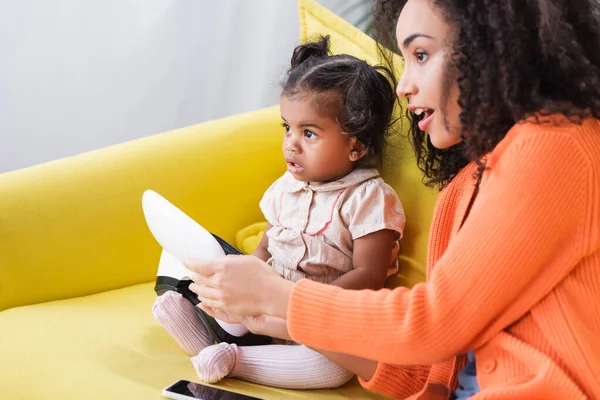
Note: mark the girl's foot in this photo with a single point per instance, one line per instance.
(215, 362)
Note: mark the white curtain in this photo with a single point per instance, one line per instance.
(76, 75)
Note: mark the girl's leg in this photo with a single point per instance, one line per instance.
(176, 311)
(180, 319)
(285, 366)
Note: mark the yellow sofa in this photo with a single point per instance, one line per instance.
(77, 262)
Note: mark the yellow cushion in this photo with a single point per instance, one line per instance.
(248, 238)
(106, 346)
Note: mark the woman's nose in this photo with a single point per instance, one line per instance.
(406, 86)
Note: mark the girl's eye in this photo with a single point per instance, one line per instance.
(421, 56)
(310, 135)
(286, 127)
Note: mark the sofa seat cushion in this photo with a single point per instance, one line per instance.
(106, 346)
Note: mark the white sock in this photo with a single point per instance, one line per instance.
(179, 317)
(284, 366)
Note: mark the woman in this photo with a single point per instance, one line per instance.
(508, 94)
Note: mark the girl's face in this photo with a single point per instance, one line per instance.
(429, 80)
(314, 147)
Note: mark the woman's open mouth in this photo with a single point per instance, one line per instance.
(426, 115)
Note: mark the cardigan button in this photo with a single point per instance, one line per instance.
(489, 366)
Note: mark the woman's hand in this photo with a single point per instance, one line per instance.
(260, 324)
(240, 286)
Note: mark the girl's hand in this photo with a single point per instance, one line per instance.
(260, 324)
(240, 286)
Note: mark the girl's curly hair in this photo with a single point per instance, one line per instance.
(515, 59)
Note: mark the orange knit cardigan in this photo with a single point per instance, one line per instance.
(519, 283)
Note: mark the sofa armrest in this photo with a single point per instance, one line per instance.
(75, 226)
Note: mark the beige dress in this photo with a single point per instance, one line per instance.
(315, 225)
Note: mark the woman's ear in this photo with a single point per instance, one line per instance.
(357, 150)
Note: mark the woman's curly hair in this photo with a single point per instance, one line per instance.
(515, 59)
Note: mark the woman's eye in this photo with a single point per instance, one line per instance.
(309, 135)
(421, 56)
(286, 127)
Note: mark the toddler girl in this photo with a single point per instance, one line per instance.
(331, 218)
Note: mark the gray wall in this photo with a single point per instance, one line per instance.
(77, 75)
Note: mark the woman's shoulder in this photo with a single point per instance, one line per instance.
(551, 136)
(551, 128)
